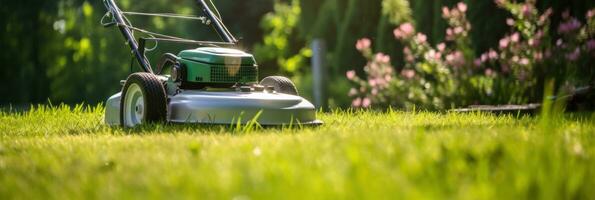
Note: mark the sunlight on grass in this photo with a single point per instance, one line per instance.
(64, 152)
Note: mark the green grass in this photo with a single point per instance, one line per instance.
(58, 153)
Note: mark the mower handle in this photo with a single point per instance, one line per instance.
(124, 27)
(127, 33)
(217, 23)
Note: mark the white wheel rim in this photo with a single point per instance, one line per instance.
(134, 106)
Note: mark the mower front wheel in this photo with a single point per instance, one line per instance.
(143, 100)
(281, 84)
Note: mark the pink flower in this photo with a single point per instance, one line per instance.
(404, 31)
(590, 14)
(388, 78)
(421, 38)
(458, 30)
(374, 92)
(510, 22)
(372, 82)
(382, 58)
(559, 42)
(524, 61)
(460, 59)
(366, 103)
(374, 66)
(515, 37)
(356, 102)
(489, 72)
(450, 57)
(379, 82)
(350, 74)
(504, 43)
(389, 70)
(362, 44)
(432, 54)
(462, 7)
(455, 59)
(407, 28)
(493, 54)
(527, 10)
(531, 42)
(477, 62)
(408, 73)
(398, 34)
(445, 11)
(438, 55)
(449, 34)
(484, 58)
(441, 47)
(410, 58)
(515, 59)
(406, 50)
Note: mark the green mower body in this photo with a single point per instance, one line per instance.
(213, 67)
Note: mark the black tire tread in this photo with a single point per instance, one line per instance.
(155, 97)
(281, 84)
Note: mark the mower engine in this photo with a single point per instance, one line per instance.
(215, 68)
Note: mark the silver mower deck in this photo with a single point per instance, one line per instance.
(208, 107)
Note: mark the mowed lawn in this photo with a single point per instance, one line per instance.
(64, 153)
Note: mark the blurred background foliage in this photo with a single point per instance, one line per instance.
(58, 51)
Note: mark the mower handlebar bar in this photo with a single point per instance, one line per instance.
(123, 25)
(127, 33)
(217, 23)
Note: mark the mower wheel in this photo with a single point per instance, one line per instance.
(143, 100)
(281, 84)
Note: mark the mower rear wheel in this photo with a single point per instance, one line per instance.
(143, 100)
(281, 84)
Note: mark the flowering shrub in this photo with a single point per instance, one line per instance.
(449, 74)
(529, 55)
(380, 75)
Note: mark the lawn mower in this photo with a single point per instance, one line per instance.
(211, 84)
